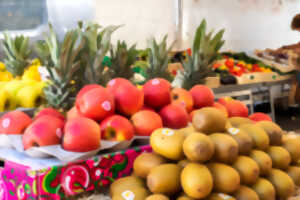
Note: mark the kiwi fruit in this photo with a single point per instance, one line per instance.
(196, 180)
(228, 125)
(281, 158)
(187, 130)
(220, 196)
(209, 120)
(263, 160)
(183, 163)
(264, 189)
(157, 197)
(292, 144)
(294, 173)
(226, 179)
(168, 143)
(138, 193)
(145, 162)
(226, 148)
(125, 183)
(259, 137)
(273, 130)
(238, 121)
(164, 179)
(184, 197)
(245, 193)
(283, 184)
(247, 168)
(198, 147)
(243, 139)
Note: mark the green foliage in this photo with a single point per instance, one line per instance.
(204, 53)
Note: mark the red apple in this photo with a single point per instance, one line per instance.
(50, 111)
(236, 108)
(145, 122)
(87, 88)
(174, 116)
(128, 99)
(260, 117)
(73, 113)
(114, 84)
(182, 97)
(157, 93)
(44, 131)
(116, 128)
(221, 108)
(96, 104)
(203, 96)
(81, 135)
(14, 122)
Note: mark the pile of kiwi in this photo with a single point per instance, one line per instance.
(215, 158)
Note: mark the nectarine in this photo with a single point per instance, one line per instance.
(236, 108)
(14, 122)
(260, 117)
(182, 97)
(50, 111)
(202, 95)
(174, 116)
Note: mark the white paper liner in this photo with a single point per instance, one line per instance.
(56, 151)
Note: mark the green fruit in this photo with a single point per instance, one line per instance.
(238, 121)
(220, 196)
(243, 139)
(259, 137)
(157, 197)
(280, 157)
(209, 120)
(273, 130)
(226, 148)
(164, 179)
(124, 184)
(145, 162)
(247, 168)
(168, 143)
(226, 179)
(282, 183)
(292, 144)
(198, 147)
(263, 160)
(264, 189)
(196, 180)
(138, 193)
(245, 193)
(294, 173)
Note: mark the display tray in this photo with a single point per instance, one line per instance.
(24, 177)
(258, 77)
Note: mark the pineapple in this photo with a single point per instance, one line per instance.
(122, 59)
(18, 54)
(204, 52)
(158, 60)
(62, 63)
(98, 44)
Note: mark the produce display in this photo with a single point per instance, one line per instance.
(215, 157)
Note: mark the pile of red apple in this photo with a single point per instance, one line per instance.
(116, 113)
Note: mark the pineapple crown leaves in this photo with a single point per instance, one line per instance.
(158, 59)
(62, 65)
(18, 52)
(98, 45)
(204, 53)
(122, 58)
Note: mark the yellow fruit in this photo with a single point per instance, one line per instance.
(220, 196)
(196, 180)
(29, 96)
(264, 189)
(259, 137)
(133, 193)
(243, 139)
(263, 160)
(145, 162)
(187, 131)
(164, 179)
(245, 193)
(198, 147)
(124, 184)
(183, 163)
(282, 183)
(238, 121)
(4, 100)
(184, 197)
(247, 168)
(32, 73)
(273, 130)
(226, 179)
(292, 144)
(2, 66)
(226, 148)
(168, 143)
(280, 157)
(294, 173)
(12, 89)
(5, 76)
(157, 197)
